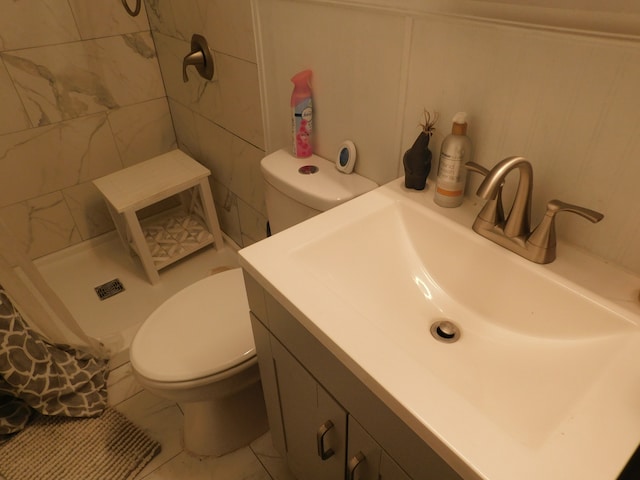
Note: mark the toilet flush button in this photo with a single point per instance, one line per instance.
(308, 169)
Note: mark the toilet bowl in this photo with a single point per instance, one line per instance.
(197, 349)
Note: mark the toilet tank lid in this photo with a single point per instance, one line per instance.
(322, 190)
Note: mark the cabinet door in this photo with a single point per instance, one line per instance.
(262, 339)
(389, 470)
(366, 460)
(363, 453)
(314, 423)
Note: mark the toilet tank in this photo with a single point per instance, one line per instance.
(299, 188)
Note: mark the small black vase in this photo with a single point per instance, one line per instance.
(417, 163)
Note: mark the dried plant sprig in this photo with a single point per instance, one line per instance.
(429, 125)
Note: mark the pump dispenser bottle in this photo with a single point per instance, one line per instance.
(302, 113)
(452, 173)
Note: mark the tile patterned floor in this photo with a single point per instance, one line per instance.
(162, 421)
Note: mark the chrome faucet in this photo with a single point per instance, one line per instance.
(514, 232)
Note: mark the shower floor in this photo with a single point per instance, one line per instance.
(73, 273)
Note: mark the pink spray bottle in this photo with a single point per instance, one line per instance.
(302, 109)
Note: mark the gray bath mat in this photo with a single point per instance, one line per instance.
(108, 447)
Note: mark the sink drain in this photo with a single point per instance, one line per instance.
(445, 331)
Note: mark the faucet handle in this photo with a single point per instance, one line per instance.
(193, 58)
(200, 57)
(493, 211)
(555, 206)
(544, 236)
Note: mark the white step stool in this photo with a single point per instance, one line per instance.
(162, 239)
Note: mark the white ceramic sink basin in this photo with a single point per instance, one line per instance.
(410, 262)
(540, 356)
(404, 267)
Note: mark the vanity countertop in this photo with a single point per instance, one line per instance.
(529, 429)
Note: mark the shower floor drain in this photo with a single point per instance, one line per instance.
(109, 289)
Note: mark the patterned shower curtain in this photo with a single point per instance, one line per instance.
(36, 375)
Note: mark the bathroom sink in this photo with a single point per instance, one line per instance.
(538, 356)
(417, 264)
(404, 267)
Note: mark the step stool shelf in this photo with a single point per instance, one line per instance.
(165, 238)
(174, 235)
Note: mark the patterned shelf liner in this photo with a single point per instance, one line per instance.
(175, 236)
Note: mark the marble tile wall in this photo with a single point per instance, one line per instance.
(82, 96)
(565, 101)
(217, 122)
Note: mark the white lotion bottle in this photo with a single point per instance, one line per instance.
(452, 172)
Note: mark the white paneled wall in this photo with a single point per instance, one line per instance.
(564, 102)
(357, 58)
(567, 102)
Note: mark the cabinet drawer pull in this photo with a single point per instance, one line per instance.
(322, 431)
(353, 464)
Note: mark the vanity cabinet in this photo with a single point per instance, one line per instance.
(324, 420)
(315, 425)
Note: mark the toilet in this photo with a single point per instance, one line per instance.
(197, 348)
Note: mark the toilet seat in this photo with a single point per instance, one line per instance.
(202, 331)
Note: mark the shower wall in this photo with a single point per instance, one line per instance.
(82, 96)
(219, 123)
